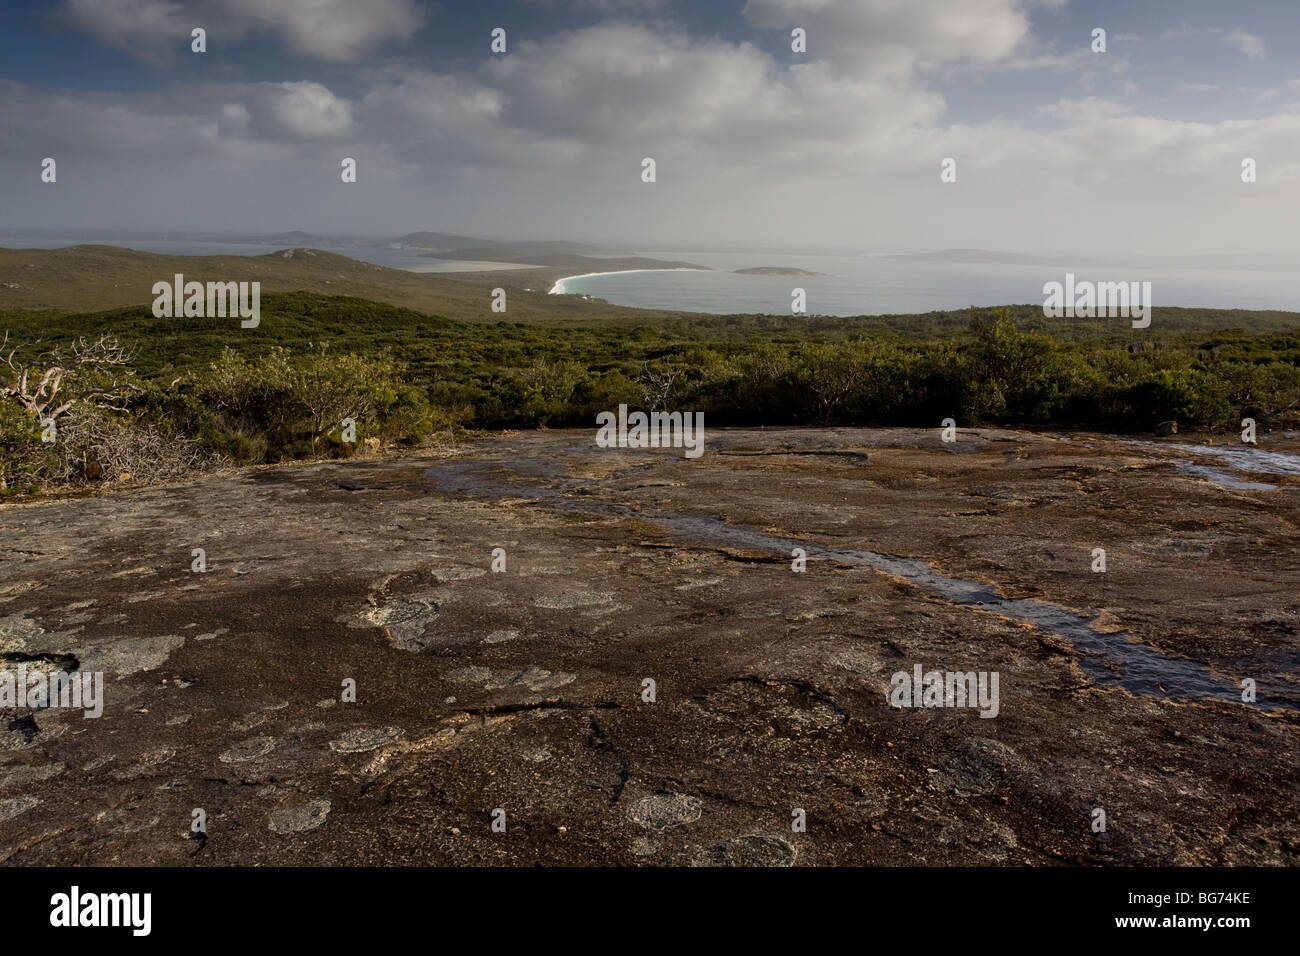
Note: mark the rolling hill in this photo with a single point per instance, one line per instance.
(95, 278)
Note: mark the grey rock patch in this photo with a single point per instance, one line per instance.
(816, 614)
(1175, 548)
(22, 775)
(501, 637)
(604, 610)
(662, 811)
(248, 750)
(148, 762)
(178, 720)
(448, 575)
(146, 596)
(126, 655)
(135, 826)
(405, 621)
(212, 635)
(993, 841)
(643, 846)
(469, 675)
(11, 591)
(16, 630)
(249, 721)
(793, 711)
(699, 583)
(297, 819)
(754, 850)
(533, 677)
(365, 738)
(973, 767)
(572, 599)
(819, 716)
(860, 662)
(143, 569)
(23, 732)
(13, 806)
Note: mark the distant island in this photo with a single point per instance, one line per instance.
(775, 271)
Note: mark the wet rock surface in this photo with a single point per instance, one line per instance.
(526, 690)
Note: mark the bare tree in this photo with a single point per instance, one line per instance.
(656, 386)
(51, 383)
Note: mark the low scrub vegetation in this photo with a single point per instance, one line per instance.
(124, 393)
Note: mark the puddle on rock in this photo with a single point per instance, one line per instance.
(1245, 458)
(1114, 658)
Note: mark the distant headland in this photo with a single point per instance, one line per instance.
(776, 271)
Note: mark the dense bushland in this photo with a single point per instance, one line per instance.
(179, 394)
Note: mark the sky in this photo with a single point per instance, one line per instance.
(1057, 147)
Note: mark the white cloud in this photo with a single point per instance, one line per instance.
(330, 29)
(629, 83)
(840, 147)
(606, 7)
(886, 36)
(1247, 43)
(1086, 110)
(302, 110)
(133, 24)
(325, 29)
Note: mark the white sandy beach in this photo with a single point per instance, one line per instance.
(560, 289)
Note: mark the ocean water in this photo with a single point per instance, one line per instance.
(882, 285)
(875, 284)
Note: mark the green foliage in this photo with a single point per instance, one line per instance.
(23, 458)
(281, 391)
(282, 404)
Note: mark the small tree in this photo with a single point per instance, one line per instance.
(657, 384)
(50, 384)
(334, 387)
(70, 387)
(1002, 365)
(833, 374)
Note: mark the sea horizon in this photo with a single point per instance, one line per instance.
(891, 284)
(877, 283)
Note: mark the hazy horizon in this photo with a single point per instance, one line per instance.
(165, 239)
